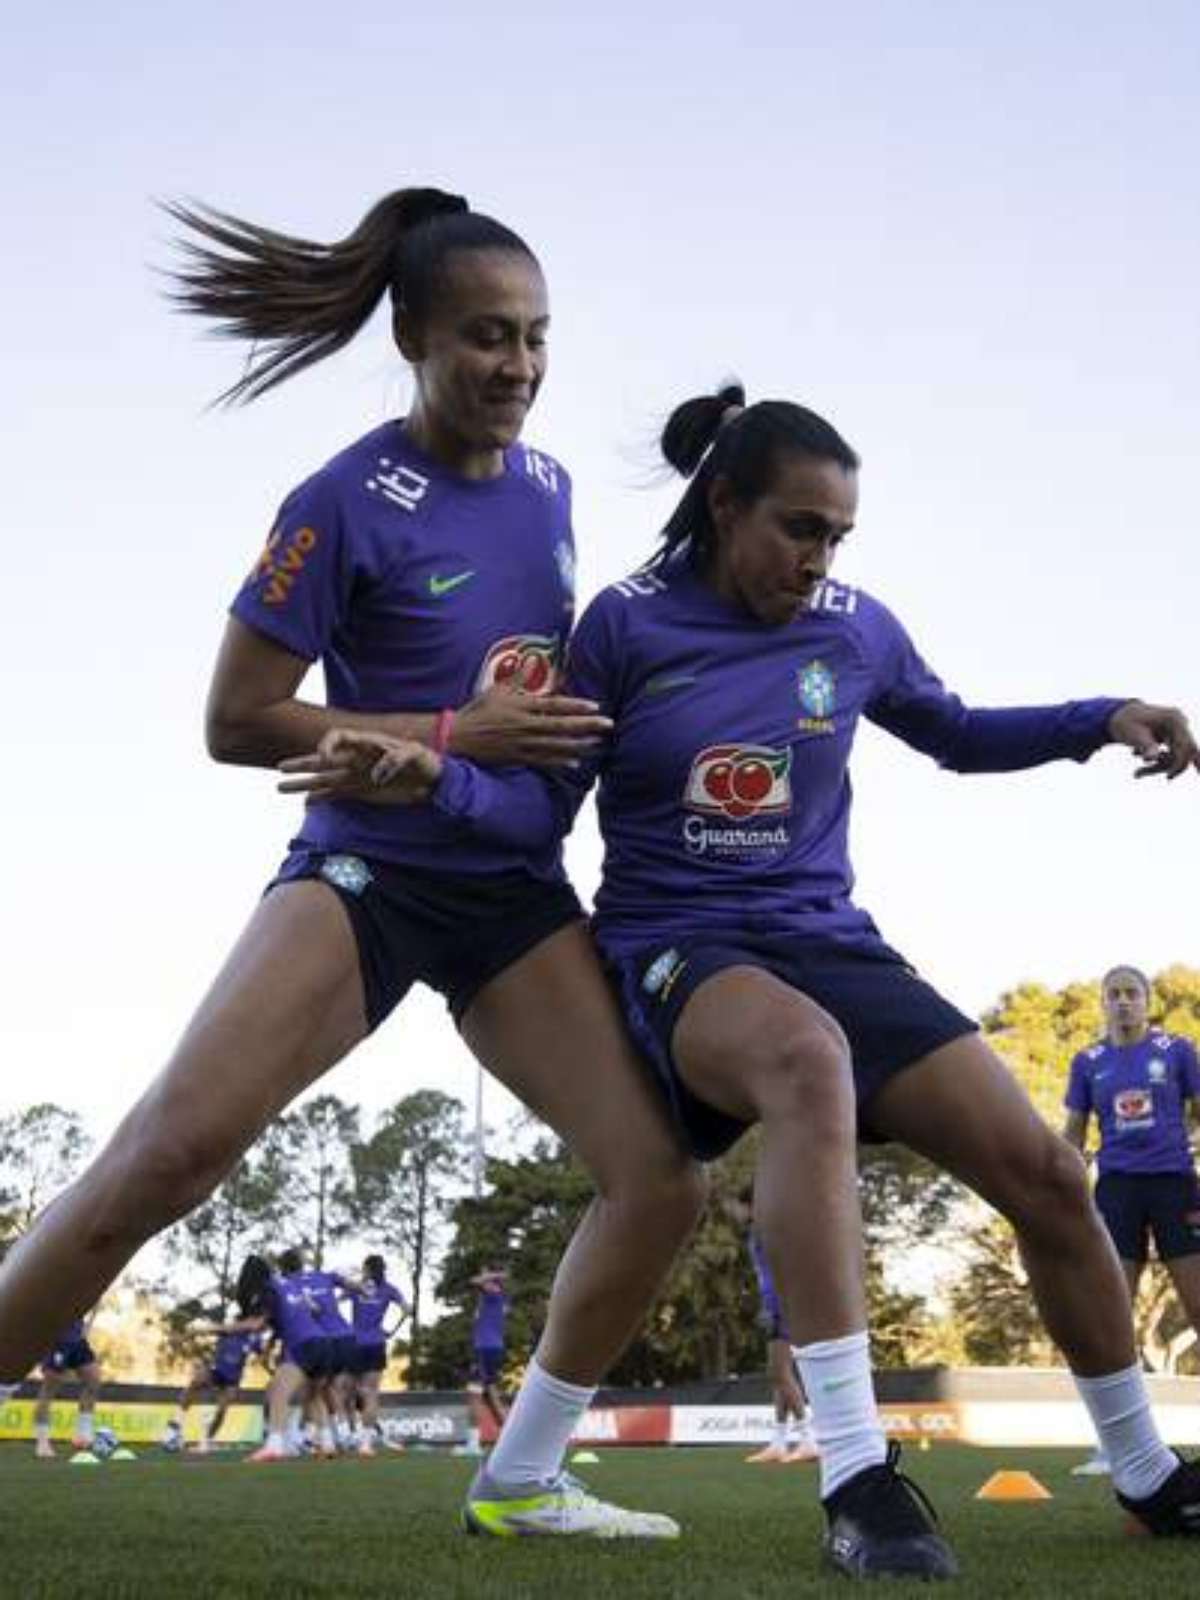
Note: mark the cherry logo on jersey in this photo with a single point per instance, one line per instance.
(1132, 1104)
(526, 661)
(740, 780)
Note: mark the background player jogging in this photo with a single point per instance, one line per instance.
(735, 671)
(1142, 1085)
(221, 1376)
(429, 567)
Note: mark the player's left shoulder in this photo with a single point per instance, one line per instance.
(543, 473)
(1177, 1044)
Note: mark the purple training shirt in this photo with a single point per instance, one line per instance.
(1138, 1093)
(724, 796)
(417, 589)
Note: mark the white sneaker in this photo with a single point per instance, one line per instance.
(1096, 1466)
(562, 1507)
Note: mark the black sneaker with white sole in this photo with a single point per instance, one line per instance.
(1174, 1510)
(882, 1526)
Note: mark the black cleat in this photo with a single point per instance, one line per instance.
(882, 1526)
(1174, 1510)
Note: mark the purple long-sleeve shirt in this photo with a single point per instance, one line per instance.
(724, 793)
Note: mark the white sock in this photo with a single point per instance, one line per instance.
(534, 1440)
(85, 1426)
(41, 1432)
(837, 1380)
(1129, 1437)
(781, 1436)
(275, 1442)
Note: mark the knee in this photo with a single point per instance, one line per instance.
(669, 1195)
(158, 1169)
(805, 1076)
(1047, 1187)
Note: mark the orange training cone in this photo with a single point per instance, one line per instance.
(1013, 1486)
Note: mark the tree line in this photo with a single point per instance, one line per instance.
(945, 1282)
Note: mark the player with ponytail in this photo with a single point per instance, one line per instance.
(429, 568)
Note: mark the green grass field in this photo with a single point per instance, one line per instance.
(168, 1526)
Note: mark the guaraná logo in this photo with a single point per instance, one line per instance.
(522, 661)
(740, 780)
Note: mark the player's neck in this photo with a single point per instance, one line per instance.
(450, 450)
(1128, 1036)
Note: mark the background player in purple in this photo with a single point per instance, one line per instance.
(372, 1297)
(72, 1360)
(429, 567)
(237, 1341)
(736, 672)
(1142, 1086)
(326, 1290)
(487, 1355)
(791, 1439)
(305, 1364)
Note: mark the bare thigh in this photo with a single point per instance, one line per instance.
(745, 1036)
(962, 1108)
(550, 1029)
(287, 1005)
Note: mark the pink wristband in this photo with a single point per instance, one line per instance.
(442, 726)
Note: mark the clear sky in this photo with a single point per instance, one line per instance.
(968, 234)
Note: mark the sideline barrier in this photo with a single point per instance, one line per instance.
(983, 1406)
(134, 1422)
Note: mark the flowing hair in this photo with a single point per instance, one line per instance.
(297, 301)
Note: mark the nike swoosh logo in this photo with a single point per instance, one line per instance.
(668, 681)
(440, 586)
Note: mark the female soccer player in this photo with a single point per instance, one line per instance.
(306, 1362)
(429, 567)
(72, 1359)
(735, 672)
(236, 1342)
(487, 1355)
(1143, 1087)
(371, 1298)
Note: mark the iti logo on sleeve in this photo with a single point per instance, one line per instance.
(522, 660)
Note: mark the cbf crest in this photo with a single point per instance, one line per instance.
(817, 688)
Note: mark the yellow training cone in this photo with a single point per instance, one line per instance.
(1013, 1486)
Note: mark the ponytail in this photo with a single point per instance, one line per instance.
(297, 301)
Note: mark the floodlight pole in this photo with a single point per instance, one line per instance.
(478, 1156)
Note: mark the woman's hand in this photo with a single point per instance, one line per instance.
(510, 727)
(1158, 735)
(356, 764)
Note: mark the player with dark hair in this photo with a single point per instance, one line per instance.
(371, 1297)
(1142, 1085)
(736, 671)
(429, 568)
(306, 1361)
(237, 1341)
(72, 1360)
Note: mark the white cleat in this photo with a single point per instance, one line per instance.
(1096, 1466)
(563, 1508)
